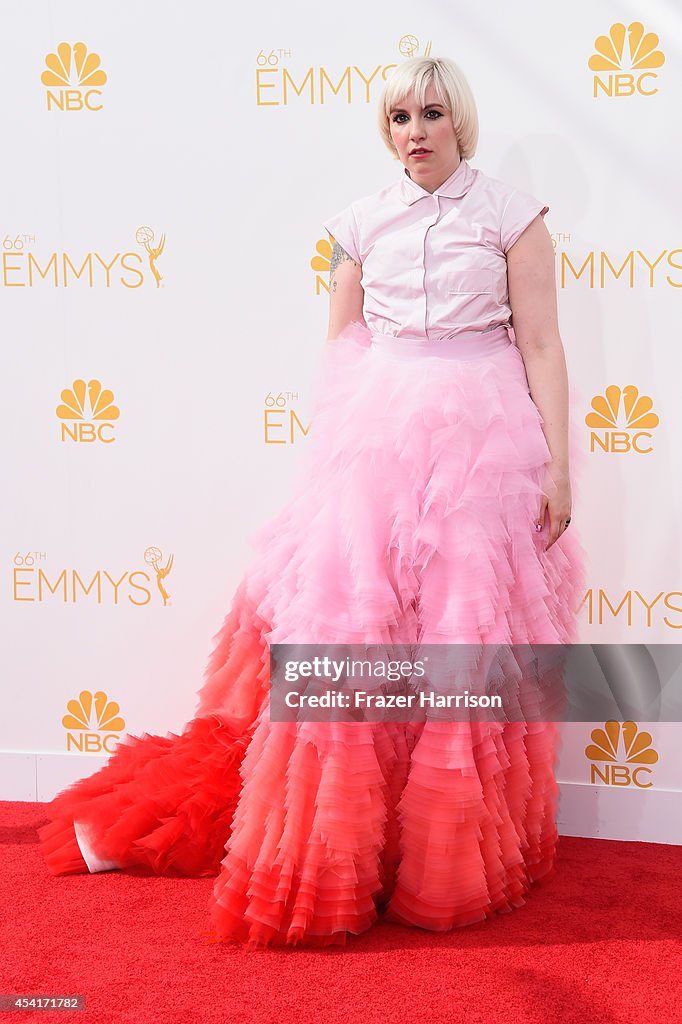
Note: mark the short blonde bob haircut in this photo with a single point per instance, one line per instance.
(451, 88)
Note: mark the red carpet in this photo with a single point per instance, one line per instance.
(598, 942)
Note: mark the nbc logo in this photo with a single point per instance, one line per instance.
(87, 412)
(624, 61)
(635, 424)
(321, 263)
(72, 76)
(93, 723)
(626, 768)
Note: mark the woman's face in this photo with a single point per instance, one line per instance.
(428, 128)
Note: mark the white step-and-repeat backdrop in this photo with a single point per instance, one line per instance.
(166, 171)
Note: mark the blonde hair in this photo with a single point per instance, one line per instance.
(451, 88)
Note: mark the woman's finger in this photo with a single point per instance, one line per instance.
(557, 526)
(540, 522)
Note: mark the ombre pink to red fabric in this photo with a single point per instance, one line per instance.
(411, 520)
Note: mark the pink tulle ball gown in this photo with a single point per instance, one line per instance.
(411, 521)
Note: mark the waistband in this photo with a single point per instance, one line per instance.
(467, 345)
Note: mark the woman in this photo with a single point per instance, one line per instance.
(432, 509)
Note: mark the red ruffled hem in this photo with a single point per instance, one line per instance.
(341, 821)
(161, 803)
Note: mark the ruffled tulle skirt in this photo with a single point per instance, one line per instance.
(411, 521)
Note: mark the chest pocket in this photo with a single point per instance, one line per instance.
(470, 282)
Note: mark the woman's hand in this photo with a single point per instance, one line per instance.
(555, 501)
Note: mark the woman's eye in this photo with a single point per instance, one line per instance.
(436, 112)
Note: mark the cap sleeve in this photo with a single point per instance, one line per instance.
(343, 228)
(520, 210)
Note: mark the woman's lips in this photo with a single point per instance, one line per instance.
(420, 156)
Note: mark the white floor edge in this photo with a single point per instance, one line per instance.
(601, 812)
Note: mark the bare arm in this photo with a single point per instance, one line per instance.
(346, 294)
(533, 300)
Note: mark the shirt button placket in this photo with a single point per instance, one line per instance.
(435, 214)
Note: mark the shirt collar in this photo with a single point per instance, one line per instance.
(454, 187)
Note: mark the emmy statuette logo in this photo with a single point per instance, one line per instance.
(409, 46)
(144, 236)
(153, 557)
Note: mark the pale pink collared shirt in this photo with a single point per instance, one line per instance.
(434, 264)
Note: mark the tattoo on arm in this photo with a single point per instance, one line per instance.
(339, 255)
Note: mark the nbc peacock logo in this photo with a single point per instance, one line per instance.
(93, 723)
(625, 61)
(625, 754)
(73, 77)
(621, 421)
(321, 263)
(87, 413)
